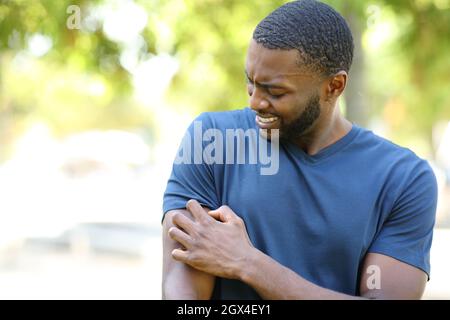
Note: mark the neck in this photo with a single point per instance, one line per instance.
(327, 130)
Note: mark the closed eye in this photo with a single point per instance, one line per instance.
(275, 92)
(266, 87)
(277, 96)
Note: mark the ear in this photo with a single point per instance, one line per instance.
(335, 85)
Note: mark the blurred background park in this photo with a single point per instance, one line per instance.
(95, 97)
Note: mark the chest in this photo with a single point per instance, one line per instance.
(340, 211)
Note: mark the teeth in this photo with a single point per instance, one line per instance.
(267, 120)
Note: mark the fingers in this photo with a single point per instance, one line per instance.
(196, 210)
(180, 255)
(180, 237)
(224, 214)
(215, 214)
(180, 220)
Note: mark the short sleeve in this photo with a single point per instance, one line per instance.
(407, 233)
(191, 177)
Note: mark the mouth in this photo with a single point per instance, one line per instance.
(266, 121)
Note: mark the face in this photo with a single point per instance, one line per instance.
(283, 95)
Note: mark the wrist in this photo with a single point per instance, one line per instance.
(248, 265)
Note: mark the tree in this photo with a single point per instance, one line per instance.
(403, 80)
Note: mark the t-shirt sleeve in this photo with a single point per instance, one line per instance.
(407, 233)
(191, 177)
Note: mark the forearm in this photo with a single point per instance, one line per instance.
(274, 281)
(186, 283)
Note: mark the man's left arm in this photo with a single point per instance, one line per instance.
(397, 280)
(219, 245)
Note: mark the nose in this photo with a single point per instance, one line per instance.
(257, 101)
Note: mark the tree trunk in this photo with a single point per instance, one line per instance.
(357, 106)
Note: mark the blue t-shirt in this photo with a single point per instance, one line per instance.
(318, 215)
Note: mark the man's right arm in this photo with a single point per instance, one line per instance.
(180, 281)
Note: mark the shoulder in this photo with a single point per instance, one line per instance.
(384, 150)
(241, 118)
(403, 167)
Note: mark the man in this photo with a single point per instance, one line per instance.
(347, 215)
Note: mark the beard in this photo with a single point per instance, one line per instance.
(303, 122)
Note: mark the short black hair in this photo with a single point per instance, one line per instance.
(316, 30)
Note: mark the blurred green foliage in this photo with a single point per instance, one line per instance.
(401, 70)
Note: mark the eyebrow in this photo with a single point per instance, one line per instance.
(266, 85)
